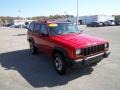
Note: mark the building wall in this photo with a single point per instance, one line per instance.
(21, 22)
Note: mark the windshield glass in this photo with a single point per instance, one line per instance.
(62, 29)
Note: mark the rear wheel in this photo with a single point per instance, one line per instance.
(60, 64)
(33, 49)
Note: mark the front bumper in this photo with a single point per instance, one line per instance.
(91, 59)
(102, 55)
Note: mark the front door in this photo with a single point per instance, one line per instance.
(44, 39)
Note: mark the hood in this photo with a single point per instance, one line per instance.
(78, 40)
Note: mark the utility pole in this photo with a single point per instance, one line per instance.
(19, 13)
(77, 12)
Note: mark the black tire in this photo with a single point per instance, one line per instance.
(59, 64)
(33, 49)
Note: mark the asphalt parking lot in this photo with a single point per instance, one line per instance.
(19, 70)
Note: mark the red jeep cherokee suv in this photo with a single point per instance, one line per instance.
(65, 43)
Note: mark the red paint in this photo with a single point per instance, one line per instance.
(69, 42)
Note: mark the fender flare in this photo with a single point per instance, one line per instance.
(61, 50)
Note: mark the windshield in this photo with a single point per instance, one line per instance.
(62, 29)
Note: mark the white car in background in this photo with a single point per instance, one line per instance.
(111, 22)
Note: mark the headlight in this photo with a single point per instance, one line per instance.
(106, 45)
(78, 51)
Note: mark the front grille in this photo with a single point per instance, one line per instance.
(93, 49)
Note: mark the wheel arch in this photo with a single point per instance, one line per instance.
(60, 50)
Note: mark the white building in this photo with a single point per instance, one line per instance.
(95, 18)
(22, 22)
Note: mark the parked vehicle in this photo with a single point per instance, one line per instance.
(117, 22)
(106, 24)
(19, 26)
(95, 24)
(95, 18)
(66, 44)
(7, 25)
(109, 23)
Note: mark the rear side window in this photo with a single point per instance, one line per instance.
(31, 27)
(43, 29)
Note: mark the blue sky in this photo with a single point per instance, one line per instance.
(27, 8)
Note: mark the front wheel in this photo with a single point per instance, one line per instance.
(59, 64)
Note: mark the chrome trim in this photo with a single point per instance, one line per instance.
(94, 56)
(86, 58)
(89, 57)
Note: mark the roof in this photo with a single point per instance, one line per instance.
(48, 22)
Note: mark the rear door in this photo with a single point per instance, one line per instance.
(36, 34)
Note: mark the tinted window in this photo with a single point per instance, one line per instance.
(43, 29)
(63, 28)
(31, 27)
(37, 27)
